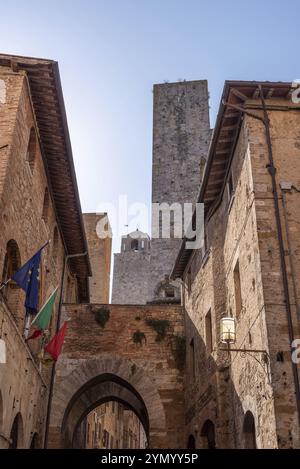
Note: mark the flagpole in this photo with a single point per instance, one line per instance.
(27, 326)
(41, 309)
(49, 405)
(3, 284)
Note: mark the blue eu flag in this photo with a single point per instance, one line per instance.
(28, 279)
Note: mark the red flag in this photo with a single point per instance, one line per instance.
(35, 334)
(55, 345)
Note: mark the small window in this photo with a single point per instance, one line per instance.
(230, 187)
(169, 292)
(208, 333)
(189, 281)
(134, 245)
(192, 358)
(55, 243)
(31, 149)
(237, 289)
(45, 214)
(142, 244)
(205, 247)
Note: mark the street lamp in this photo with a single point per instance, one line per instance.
(227, 330)
(228, 337)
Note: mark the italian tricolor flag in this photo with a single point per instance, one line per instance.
(42, 319)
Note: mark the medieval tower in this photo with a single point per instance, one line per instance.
(181, 135)
(131, 269)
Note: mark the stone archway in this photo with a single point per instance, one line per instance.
(97, 380)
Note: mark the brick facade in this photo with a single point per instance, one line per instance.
(100, 256)
(108, 363)
(28, 218)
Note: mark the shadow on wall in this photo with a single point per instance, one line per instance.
(211, 402)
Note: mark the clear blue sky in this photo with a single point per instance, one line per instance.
(110, 52)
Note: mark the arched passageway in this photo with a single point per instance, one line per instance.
(95, 381)
(110, 425)
(99, 363)
(94, 393)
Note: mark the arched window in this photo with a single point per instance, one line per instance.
(134, 245)
(31, 149)
(55, 244)
(191, 444)
(208, 435)
(249, 431)
(12, 263)
(16, 433)
(45, 214)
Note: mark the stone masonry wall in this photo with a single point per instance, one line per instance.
(285, 137)
(181, 135)
(244, 230)
(224, 390)
(131, 277)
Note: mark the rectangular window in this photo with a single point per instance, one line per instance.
(237, 289)
(189, 280)
(192, 358)
(230, 187)
(208, 333)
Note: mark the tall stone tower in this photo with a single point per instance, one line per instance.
(181, 135)
(100, 257)
(131, 269)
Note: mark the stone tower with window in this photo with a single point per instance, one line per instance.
(181, 136)
(131, 269)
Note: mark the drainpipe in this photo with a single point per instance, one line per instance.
(290, 247)
(272, 171)
(49, 405)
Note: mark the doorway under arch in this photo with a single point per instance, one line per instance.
(249, 431)
(208, 435)
(191, 444)
(35, 441)
(17, 433)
